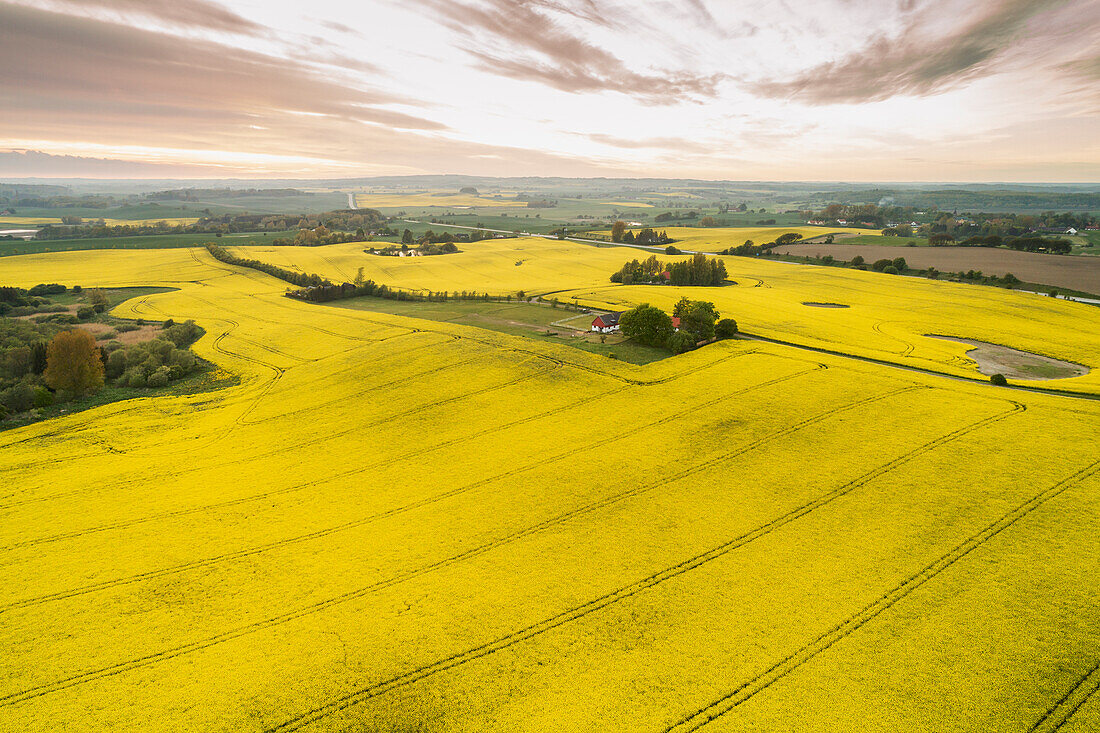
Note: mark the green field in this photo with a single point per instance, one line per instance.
(157, 241)
(530, 320)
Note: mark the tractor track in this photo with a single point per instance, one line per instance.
(773, 674)
(578, 612)
(1060, 712)
(623, 592)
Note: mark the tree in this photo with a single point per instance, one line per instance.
(680, 342)
(646, 325)
(73, 364)
(999, 380)
(881, 265)
(725, 328)
(617, 231)
(699, 320)
(857, 260)
(901, 264)
(407, 237)
(708, 221)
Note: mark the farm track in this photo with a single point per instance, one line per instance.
(624, 592)
(604, 502)
(634, 430)
(773, 674)
(1060, 713)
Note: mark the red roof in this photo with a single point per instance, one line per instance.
(676, 321)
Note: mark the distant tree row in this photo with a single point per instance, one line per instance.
(698, 271)
(647, 236)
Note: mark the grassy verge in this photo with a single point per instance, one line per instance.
(529, 320)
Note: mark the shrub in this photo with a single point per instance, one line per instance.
(901, 264)
(670, 250)
(85, 312)
(680, 342)
(116, 363)
(42, 396)
(159, 378)
(73, 363)
(999, 380)
(133, 377)
(18, 398)
(881, 265)
(725, 328)
(890, 270)
(857, 260)
(77, 288)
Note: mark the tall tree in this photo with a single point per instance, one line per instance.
(73, 363)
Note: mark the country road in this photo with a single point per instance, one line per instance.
(351, 201)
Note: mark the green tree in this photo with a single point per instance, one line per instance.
(73, 364)
(680, 342)
(646, 325)
(407, 237)
(617, 231)
(699, 320)
(725, 328)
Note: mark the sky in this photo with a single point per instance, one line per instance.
(807, 90)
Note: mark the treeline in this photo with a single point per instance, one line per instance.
(336, 225)
(751, 249)
(196, 194)
(698, 271)
(430, 237)
(301, 279)
(424, 250)
(908, 222)
(621, 235)
(317, 289)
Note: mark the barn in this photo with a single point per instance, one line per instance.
(606, 322)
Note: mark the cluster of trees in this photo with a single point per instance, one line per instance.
(698, 271)
(426, 249)
(751, 249)
(430, 237)
(621, 235)
(198, 194)
(699, 323)
(41, 364)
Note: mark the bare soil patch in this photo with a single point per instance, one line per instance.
(1016, 364)
(1077, 272)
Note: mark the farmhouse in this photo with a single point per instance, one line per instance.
(606, 323)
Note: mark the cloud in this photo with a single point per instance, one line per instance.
(916, 62)
(539, 48)
(674, 144)
(192, 13)
(107, 72)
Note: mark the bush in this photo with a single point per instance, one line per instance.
(725, 328)
(158, 378)
(85, 312)
(901, 264)
(116, 363)
(881, 265)
(646, 325)
(133, 377)
(99, 307)
(680, 342)
(670, 250)
(890, 270)
(19, 398)
(999, 380)
(77, 288)
(42, 396)
(857, 260)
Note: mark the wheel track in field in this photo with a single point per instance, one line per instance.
(146, 479)
(908, 345)
(627, 591)
(1067, 706)
(515, 637)
(633, 430)
(1060, 711)
(298, 446)
(218, 348)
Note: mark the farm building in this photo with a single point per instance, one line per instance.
(606, 323)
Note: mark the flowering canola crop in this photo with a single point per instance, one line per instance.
(395, 524)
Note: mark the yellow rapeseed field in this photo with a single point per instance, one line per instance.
(397, 524)
(885, 317)
(716, 239)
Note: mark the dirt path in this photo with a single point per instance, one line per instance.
(1016, 364)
